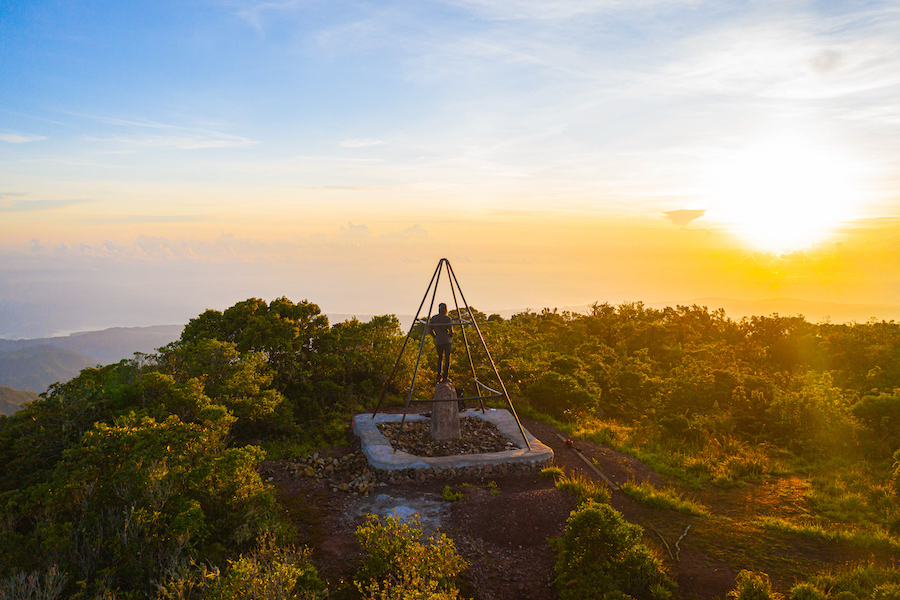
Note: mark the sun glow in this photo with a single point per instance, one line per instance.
(782, 195)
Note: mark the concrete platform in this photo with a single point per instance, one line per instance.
(381, 455)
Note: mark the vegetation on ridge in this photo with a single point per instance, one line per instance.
(142, 476)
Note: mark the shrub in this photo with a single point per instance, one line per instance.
(601, 555)
(751, 585)
(558, 395)
(450, 495)
(400, 565)
(272, 572)
(554, 472)
(806, 591)
(886, 591)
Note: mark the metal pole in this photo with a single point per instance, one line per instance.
(465, 338)
(403, 348)
(452, 276)
(437, 281)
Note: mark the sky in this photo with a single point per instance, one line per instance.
(161, 158)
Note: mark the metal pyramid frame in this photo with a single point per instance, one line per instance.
(480, 397)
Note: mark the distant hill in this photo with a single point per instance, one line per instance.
(35, 368)
(107, 346)
(814, 312)
(11, 400)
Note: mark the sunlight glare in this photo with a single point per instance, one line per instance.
(783, 194)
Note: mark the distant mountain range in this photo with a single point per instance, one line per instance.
(814, 312)
(33, 365)
(11, 400)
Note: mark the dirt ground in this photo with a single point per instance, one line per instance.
(502, 528)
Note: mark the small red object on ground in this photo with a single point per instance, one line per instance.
(570, 444)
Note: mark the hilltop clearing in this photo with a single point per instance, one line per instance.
(501, 526)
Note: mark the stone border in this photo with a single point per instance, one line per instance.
(381, 456)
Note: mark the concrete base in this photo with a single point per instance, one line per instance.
(381, 455)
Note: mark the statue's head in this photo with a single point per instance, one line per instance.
(442, 308)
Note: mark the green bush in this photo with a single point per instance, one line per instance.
(401, 566)
(558, 395)
(271, 572)
(886, 591)
(751, 585)
(806, 591)
(601, 555)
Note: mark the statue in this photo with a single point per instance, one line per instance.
(441, 328)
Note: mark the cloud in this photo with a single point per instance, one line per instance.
(252, 12)
(416, 232)
(20, 138)
(360, 143)
(182, 142)
(36, 205)
(684, 216)
(557, 9)
(355, 231)
(145, 219)
(171, 136)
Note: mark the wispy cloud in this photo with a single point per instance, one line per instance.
(149, 219)
(360, 143)
(153, 134)
(36, 205)
(253, 13)
(20, 138)
(183, 142)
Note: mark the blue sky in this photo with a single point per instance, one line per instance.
(361, 141)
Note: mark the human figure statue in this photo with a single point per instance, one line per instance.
(441, 327)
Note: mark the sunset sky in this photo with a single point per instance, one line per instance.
(160, 158)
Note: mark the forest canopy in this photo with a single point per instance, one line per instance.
(150, 465)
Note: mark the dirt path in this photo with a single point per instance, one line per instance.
(502, 528)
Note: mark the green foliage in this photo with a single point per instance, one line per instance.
(47, 585)
(493, 490)
(601, 555)
(450, 496)
(133, 499)
(685, 389)
(751, 585)
(868, 537)
(663, 498)
(554, 471)
(271, 572)
(806, 591)
(880, 415)
(401, 565)
(857, 581)
(583, 488)
(558, 394)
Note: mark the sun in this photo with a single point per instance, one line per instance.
(782, 194)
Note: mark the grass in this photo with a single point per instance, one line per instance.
(554, 472)
(861, 580)
(871, 537)
(664, 498)
(584, 488)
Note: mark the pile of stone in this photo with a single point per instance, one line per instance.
(477, 437)
(349, 473)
